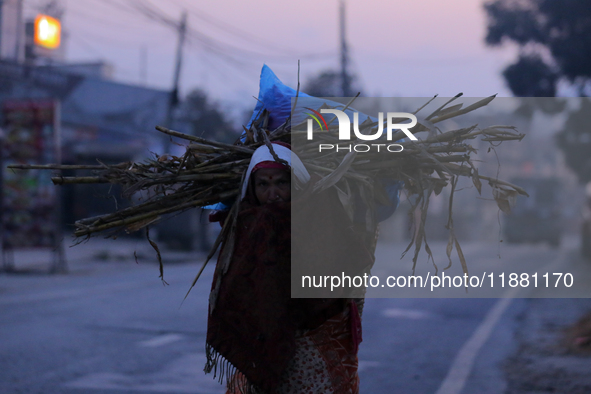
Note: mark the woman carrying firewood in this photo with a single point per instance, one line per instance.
(266, 332)
(259, 339)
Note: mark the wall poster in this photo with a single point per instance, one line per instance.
(30, 202)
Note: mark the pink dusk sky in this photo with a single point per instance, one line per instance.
(397, 48)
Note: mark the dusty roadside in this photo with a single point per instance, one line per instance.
(552, 354)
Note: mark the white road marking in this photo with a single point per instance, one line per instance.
(405, 313)
(461, 368)
(185, 375)
(363, 365)
(161, 340)
(72, 293)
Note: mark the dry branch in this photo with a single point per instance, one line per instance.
(210, 171)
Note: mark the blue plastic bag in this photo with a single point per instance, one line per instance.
(275, 97)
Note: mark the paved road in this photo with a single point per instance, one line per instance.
(111, 327)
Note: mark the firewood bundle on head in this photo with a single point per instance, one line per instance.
(210, 172)
(436, 160)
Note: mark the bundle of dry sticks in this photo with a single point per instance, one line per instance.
(210, 172)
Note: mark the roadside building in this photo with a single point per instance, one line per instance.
(101, 120)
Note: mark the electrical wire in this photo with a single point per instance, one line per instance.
(104, 22)
(91, 48)
(113, 42)
(238, 58)
(240, 33)
(214, 45)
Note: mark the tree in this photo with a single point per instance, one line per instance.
(328, 83)
(205, 117)
(531, 77)
(575, 141)
(554, 40)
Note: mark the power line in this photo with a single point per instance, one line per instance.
(91, 48)
(113, 42)
(237, 57)
(150, 11)
(214, 45)
(102, 21)
(240, 33)
(118, 5)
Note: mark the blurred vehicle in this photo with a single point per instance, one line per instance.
(586, 230)
(535, 218)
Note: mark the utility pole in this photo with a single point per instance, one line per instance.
(144, 65)
(174, 94)
(1, 31)
(11, 34)
(345, 78)
(19, 32)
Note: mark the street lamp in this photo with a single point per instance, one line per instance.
(47, 31)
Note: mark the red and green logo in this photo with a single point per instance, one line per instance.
(315, 116)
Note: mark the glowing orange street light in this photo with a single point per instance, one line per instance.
(47, 31)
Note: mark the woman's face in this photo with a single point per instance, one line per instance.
(272, 185)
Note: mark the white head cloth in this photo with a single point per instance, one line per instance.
(263, 154)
